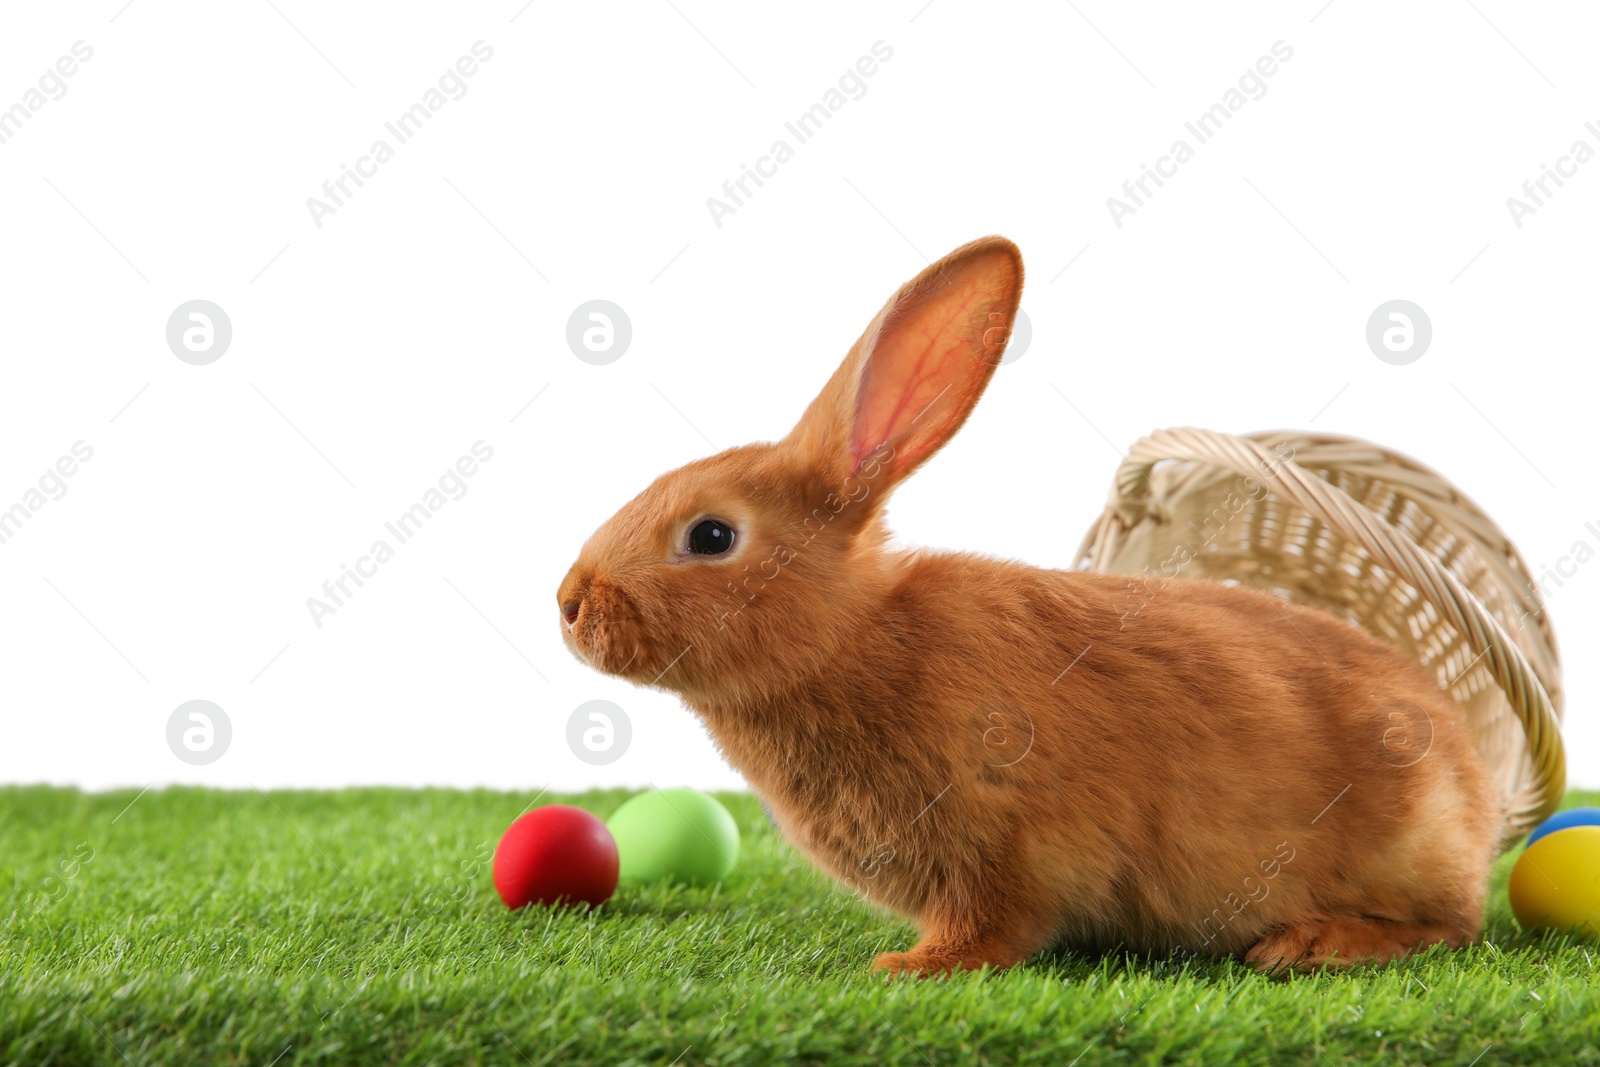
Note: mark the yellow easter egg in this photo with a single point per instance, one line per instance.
(1555, 884)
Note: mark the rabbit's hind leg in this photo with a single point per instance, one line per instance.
(1312, 944)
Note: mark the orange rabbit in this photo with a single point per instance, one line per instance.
(1015, 757)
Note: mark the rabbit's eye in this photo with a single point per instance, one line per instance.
(710, 538)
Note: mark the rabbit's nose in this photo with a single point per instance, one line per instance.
(574, 589)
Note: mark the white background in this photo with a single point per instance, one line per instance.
(426, 312)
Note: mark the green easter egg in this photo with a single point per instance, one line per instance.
(675, 835)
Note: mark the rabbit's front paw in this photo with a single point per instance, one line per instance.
(937, 955)
(914, 963)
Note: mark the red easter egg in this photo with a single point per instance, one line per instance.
(556, 854)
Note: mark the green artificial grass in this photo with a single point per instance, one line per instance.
(361, 926)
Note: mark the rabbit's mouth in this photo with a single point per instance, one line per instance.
(603, 630)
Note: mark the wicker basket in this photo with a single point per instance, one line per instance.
(1378, 540)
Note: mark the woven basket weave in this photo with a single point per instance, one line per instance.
(1378, 540)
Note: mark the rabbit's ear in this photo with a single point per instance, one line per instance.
(914, 376)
